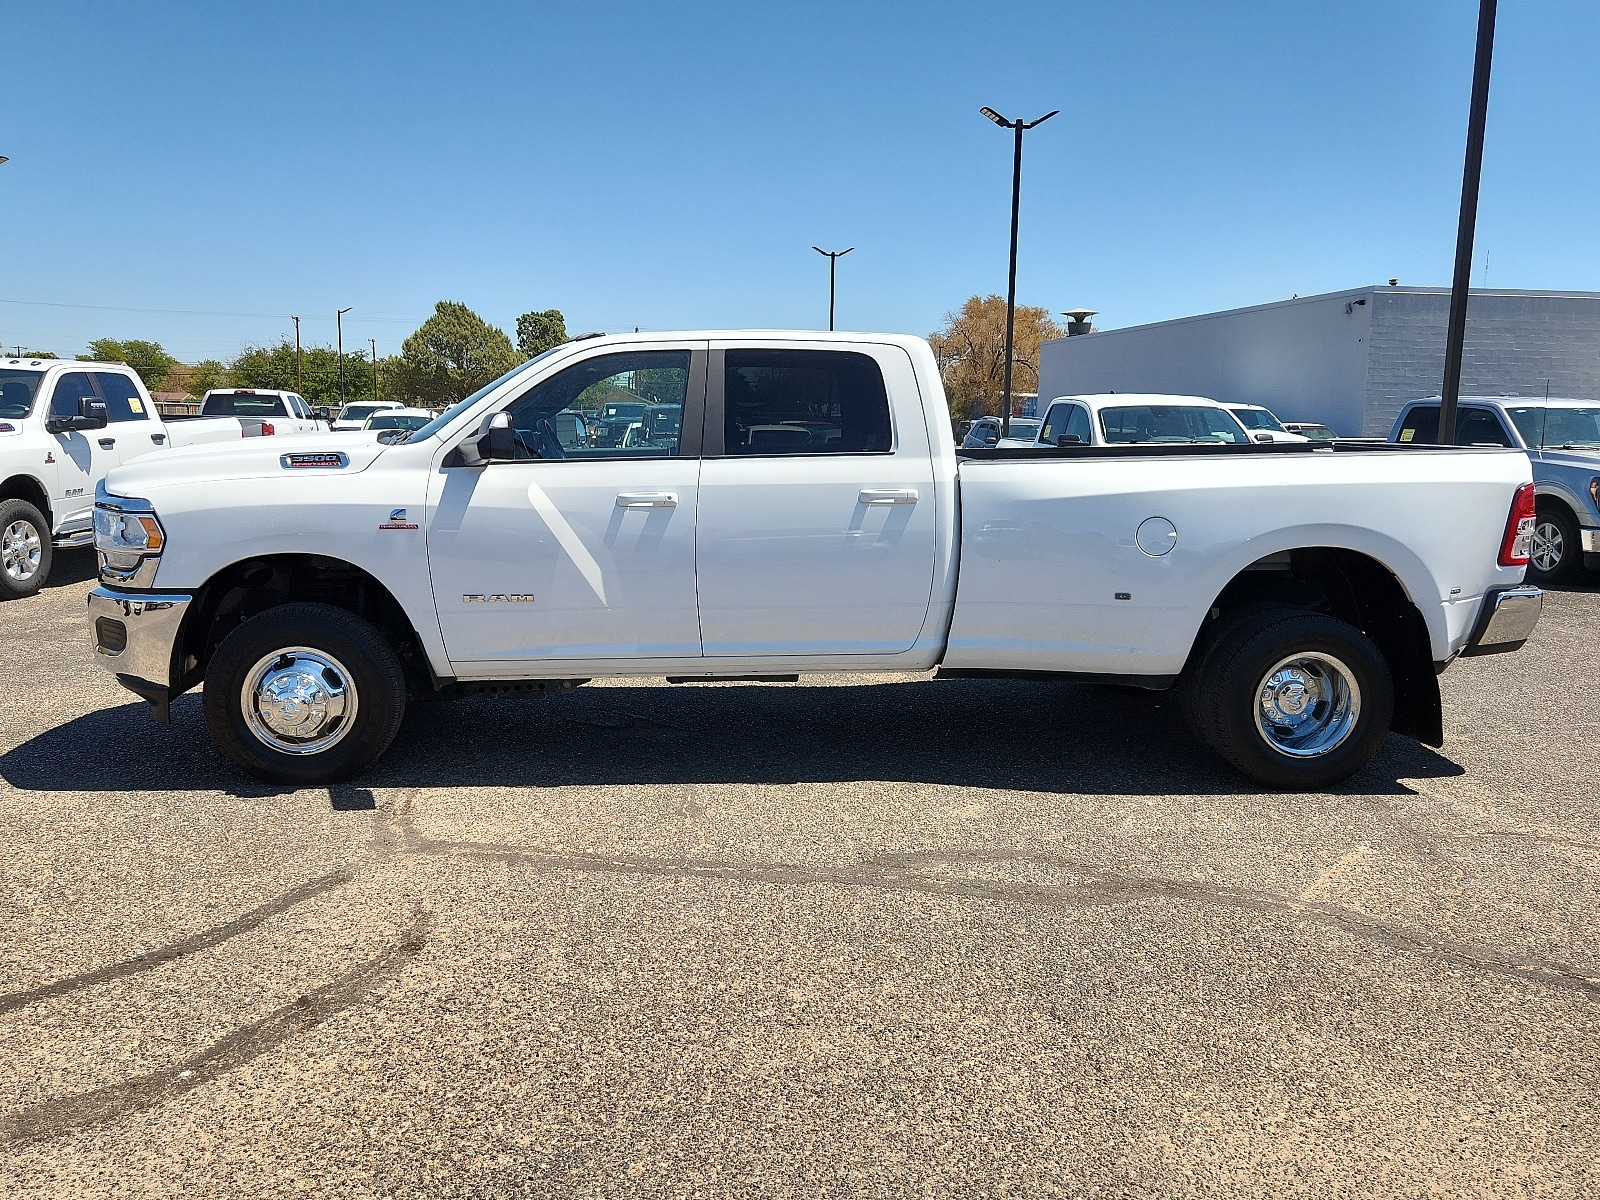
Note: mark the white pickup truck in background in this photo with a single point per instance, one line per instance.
(63, 425)
(1302, 597)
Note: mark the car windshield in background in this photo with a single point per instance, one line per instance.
(1129, 423)
(1257, 418)
(358, 412)
(17, 390)
(236, 404)
(1025, 427)
(1556, 428)
(392, 421)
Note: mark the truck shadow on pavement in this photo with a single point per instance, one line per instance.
(72, 567)
(1021, 736)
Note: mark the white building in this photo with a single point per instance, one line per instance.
(1348, 359)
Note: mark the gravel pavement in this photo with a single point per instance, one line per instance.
(849, 937)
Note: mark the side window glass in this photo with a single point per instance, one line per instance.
(69, 389)
(1078, 423)
(804, 402)
(626, 405)
(1480, 427)
(123, 402)
(1421, 426)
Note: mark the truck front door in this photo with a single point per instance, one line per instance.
(83, 456)
(574, 552)
(816, 530)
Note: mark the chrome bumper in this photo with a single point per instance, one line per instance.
(1590, 539)
(1505, 621)
(134, 635)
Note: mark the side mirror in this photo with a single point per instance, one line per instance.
(1263, 437)
(92, 413)
(497, 441)
(1069, 439)
(321, 413)
(992, 439)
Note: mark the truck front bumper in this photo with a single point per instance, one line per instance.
(1591, 548)
(1505, 621)
(134, 636)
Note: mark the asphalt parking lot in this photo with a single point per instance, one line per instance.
(880, 938)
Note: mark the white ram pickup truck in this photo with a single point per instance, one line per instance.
(63, 425)
(806, 514)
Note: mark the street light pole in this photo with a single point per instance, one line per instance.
(1456, 336)
(1020, 127)
(373, 342)
(338, 320)
(296, 321)
(833, 261)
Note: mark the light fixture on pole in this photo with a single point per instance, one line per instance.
(1020, 127)
(833, 257)
(1456, 334)
(296, 321)
(338, 320)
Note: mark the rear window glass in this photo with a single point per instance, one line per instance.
(804, 402)
(1474, 427)
(240, 404)
(123, 402)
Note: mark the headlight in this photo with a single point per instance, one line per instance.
(129, 538)
(121, 532)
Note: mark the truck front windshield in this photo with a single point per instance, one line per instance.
(450, 414)
(1130, 423)
(1563, 428)
(17, 391)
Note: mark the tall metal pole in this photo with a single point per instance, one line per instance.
(1455, 338)
(833, 257)
(1020, 127)
(1011, 285)
(373, 342)
(338, 320)
(296, 321)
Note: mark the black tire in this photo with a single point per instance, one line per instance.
(1555, 532)
(1234, 677)
(25, 550)
(363, 665)
(1255, 615)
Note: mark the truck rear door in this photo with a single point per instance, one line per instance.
(816, 530)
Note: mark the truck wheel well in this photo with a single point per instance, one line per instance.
(251, 586)
(1545, 503)
(1361, 591)
(26, 487)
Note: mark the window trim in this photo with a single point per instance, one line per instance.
(689, 436)
(715, 416)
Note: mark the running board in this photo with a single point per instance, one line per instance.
(733, 679)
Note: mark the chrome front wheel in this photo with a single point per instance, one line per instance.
(299, 701)
(21, 550)
(1307, 705)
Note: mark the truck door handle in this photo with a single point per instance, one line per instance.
(887, 496)
(647, 500)
(159, 439)
(107, 443)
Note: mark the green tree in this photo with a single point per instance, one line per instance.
(273, 367)
(204, 376)
(458, 350)
(147, 358)
(971, 349)
(37, 354)
(540, 331)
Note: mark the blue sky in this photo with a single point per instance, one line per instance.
(671, 166)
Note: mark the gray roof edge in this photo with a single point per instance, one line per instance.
(1342, 294)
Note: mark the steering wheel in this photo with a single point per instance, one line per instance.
(549, 445)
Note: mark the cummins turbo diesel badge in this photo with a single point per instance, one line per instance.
(330, 461)
(397, 520)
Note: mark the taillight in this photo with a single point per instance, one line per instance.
(268, 429)
(1518, 541)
